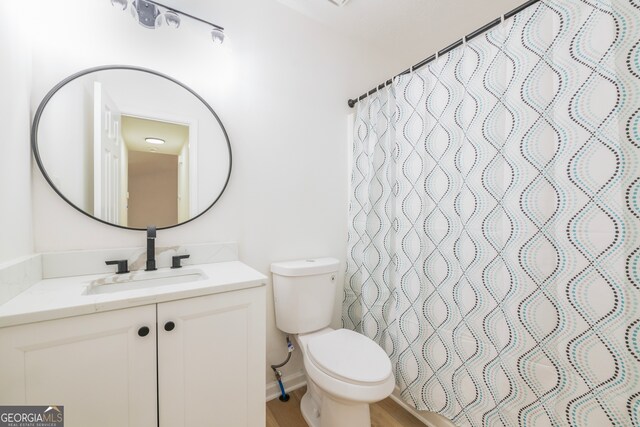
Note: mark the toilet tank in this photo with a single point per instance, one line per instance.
(304, 294)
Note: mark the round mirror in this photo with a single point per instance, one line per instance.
(131, 147)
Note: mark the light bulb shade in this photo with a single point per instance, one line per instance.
(217, 36)
(169, 19)
(160, 20)
(172, 19)
(120, 4)
(134, 10)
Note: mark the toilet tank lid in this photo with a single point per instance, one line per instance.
(305, 267)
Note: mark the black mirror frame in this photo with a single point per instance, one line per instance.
(56, 88)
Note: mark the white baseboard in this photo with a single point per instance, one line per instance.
(291, 382)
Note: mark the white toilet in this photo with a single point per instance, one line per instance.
(346, 371)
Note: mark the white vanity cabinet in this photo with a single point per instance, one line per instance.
(96, 366)
(202, 360)
(211, 365)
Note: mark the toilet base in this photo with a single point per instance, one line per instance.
(322, 410)
(339, 413)
(310, 412)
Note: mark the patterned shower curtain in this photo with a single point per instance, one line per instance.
(494, 242)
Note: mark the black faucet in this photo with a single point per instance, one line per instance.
(151, 248)
(123, 265)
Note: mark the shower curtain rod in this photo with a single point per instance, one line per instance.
(486, 27)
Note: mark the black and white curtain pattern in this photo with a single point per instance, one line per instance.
(494, 241)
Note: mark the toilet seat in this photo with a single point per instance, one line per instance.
(349, 356)
(337, 384)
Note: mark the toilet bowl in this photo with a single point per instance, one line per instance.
(345, 370)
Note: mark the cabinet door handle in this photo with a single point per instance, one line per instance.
(144, 331)
(169, 326)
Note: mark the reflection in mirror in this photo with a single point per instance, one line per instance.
(157, 176)
(131, 147)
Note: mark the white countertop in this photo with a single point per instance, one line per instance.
(65, 297)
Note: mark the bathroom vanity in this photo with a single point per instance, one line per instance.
(183, 354)
(166, 347)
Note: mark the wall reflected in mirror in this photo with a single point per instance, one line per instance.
(132, 148)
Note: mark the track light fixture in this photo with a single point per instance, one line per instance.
(151, 14)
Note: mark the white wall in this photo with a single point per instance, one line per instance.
(281, 94)
(16, 237)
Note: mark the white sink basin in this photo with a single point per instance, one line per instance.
(144, 279)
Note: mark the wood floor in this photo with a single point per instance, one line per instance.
(386, 413)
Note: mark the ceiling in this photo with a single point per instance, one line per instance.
(410, 30)
(136, 129)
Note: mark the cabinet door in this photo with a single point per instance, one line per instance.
(97, 366)
(211, 365)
